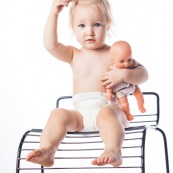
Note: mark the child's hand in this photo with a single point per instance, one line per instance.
(112, 77)
(58, 5)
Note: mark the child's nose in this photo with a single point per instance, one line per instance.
(90, 31)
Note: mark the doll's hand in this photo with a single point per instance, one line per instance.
(112, 77)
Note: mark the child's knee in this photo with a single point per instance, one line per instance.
(106, 112)
(59, 113)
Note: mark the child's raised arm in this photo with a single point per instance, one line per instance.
(51, 43)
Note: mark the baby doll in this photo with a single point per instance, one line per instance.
(121, 55)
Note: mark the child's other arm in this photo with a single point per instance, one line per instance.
(115, 76)
(136, 76)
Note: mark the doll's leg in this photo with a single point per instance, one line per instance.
(140, 99)
(109, 94)
(60, 121)
(125, 107)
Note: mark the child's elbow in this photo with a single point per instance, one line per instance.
(49, 47)
(145, 75)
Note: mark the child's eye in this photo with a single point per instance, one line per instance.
(97, 24)
(81, 25)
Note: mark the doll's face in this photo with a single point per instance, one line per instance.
(121, 56)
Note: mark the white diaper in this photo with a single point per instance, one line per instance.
(89, 104)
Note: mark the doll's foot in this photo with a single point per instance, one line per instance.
(129, 117)
(108, 157)
(44, 157)
(142, 109)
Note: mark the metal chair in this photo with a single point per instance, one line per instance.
(79, 148)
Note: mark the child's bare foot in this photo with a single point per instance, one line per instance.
(42, 157)
(108, 157)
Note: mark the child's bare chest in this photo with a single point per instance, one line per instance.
(90, 66)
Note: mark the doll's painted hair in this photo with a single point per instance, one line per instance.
(103, 5)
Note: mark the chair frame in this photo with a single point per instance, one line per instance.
(131, 130)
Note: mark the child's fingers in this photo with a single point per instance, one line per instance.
(65, 2)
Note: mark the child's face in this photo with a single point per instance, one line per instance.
(90, 26)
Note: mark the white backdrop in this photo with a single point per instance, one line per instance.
(31, 79)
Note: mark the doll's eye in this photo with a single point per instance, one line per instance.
(129, 60)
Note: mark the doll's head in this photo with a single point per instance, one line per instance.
(121, 54)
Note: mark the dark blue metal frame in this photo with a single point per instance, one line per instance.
(144, 133)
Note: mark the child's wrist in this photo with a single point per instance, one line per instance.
(53, 13)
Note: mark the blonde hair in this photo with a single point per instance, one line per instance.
(103, 4)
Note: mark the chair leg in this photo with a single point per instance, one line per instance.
(19, 151)
(166, 148)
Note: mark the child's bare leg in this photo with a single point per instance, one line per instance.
(140, 99)
(110, 122)
(60, 121)
(125, 107)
